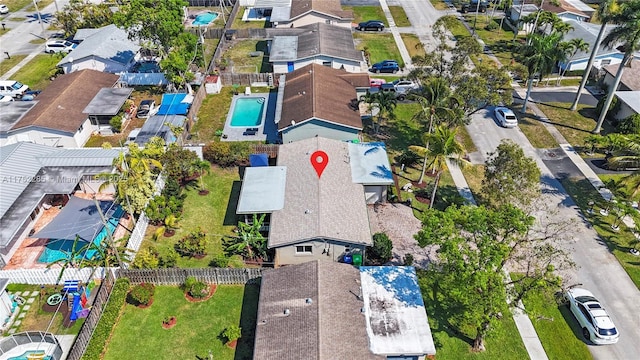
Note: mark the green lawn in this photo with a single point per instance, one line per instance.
(15, 5)
(212, 115)
(618, 243)
(215, 213)
(8, 64)
(465, 139)
(534, 130)
(439, 4)
(364, 13)
(380, 47)
(474, 175)
(556, 327)
(575, 126)
(413, 45)
(399, 16)
(198, 328)
(239, 24)
(238, 56)
(41, 5)
(36, 73)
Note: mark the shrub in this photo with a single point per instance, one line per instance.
(219, 260)
(146, 259)
(491, 26)
(199, 290)
(195, 243)
(408, 260)
(219, 153)
(408, 158)
(630, 124)
(107, 320)
(168, 260)
(141, 294)
(232, 333)
(612, 107)
(381, 251)
(116, 123)
(189, 282)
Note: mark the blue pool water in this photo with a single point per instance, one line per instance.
(60, 249)
(247, 112)
(204, 19)
(26, 353)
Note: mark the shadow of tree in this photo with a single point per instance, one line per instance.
(248, 317)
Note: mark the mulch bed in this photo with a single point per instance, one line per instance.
(212, 290)
(232, 344)
(170, 324)
(144, 306)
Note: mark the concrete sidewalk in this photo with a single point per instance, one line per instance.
(396, 36)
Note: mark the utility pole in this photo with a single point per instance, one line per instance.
(35, 4)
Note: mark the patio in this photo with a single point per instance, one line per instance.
(265, 131)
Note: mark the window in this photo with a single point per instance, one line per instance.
(304, 249)
(605, 62)
(326, 63)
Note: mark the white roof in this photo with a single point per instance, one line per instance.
(370, 164)
(262, 190)
(580, 6)
(631, 98)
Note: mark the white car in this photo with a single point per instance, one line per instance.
(5, 98)
(59, 45)
(4, 9)
(403, 86)
(506, 117)
(596, 324)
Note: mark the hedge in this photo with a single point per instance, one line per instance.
(108, 320)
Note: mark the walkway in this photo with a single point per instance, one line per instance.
(396, 36)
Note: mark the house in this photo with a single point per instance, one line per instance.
(107, 103)
(630, 80)
(315, 217)
(629, 104)
(589, 32)
(296, 13)
(317, 100)
(318, 43)
(570, 10)
(325, 311)
(57, 117)
(34, 174)
(107, 49)
(521, 11)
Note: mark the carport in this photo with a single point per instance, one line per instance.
(106, 104)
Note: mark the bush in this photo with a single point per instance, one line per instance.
(220, 261)
(219, 153)
(168, 260)
(408, 260)
(232, 333)
(630, 124)
(612, 107)
(491, 26)
(141, 294)
(116, 123)
(408, 158)
(146, 259)
(107, 321)
(194, 244)
(199, 290)
(188, 283)
(381, 251)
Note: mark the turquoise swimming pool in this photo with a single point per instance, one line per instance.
(247, 111)
(27, 353)
(204, 19)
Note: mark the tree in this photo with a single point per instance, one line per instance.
(486, 85)
(573, 46)
(442, 146)
(382, 249)
(627, 33)
(540, 56)
(604, 12)
(510, 177)
(80, 14)
(249, 243)
(385, 102)
(475, 245)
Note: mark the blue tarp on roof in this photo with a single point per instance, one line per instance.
(175, 104)
(259, 160)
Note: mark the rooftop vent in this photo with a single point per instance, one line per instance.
(308, 301)
(287, 312)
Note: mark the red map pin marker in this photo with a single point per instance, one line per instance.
(319, 160)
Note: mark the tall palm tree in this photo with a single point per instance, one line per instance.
(572, 48)
(443, 146)
(604, 12)
(626, 33)
(383, 101)
(540, 56)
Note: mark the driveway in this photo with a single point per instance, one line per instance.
(561, 94)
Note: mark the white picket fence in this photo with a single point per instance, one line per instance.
(137, 235)
(49, 276)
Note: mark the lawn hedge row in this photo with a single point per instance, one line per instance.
(108, 320)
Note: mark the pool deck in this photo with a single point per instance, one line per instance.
(235, 133)
(191, 15)
(26, 256)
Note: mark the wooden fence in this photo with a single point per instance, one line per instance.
(175, 276)
(86, 331)
(246, 79)
(269, 149)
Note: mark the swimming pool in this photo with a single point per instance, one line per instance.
(204, 19)
(25, 355)
(248, 111)
(57, 249)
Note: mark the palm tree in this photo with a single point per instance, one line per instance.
(203, 167)
(249, 243)
(540, 56)
(604, 12)
(626, 33)
(443, 146)
(386, 102)
(573, 47)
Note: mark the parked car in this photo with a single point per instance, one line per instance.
(147, 108)
(596, 324)
(5, 98)
(386, 66)
(13, 88)
(506, 117)
(473, 7)
(4, 9)
(404, 85)
(58, 45)
(377, 82)
(388, 87)
(375, 25)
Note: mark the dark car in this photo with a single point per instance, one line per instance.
(375, 25)
(387, 66)
(473, 6)
(147, 107)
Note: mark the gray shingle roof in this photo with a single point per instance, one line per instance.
(314, 40)
(588, 33)
(329, 326)
(109, 42)
(332, 207)
(630, 75)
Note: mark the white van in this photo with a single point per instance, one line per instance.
(13, 88)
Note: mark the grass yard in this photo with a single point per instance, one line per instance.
(465, 139)
(198, 329)
(399, 16)
(239, 24)
(575, 126)
(618, 243)
(15, 5)
(439, 4)
(364, 13)
(238, 56)
(556, 327)
(212, 115)
(474, 175)
(8, 64)
(379, 46)
(534, 130)
(116, 140)
(413, 44)
(41, 5)
(37, 72)
(215, 213)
